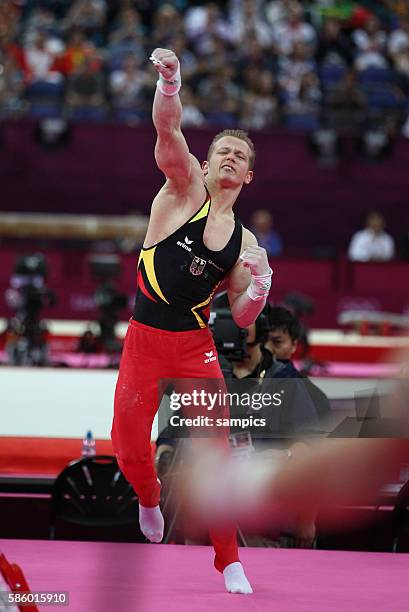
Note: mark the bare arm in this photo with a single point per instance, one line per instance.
(171, 150)
(244, 309)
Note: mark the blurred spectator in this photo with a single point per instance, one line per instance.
(252, 56)
(292, 69)
(401, 64)
(346, 105)
(400, 7)
(235, 8)
(276, 11)
(219, 56)
(126, 86)
(263, 228)
(403, 243)
(90, 16)
(204, 24)
(40, 18)
(127, 26)
(250, 79)
(259, 106)
(75, 51)
(401, 74)
(293, 30)
(85, 88)
(250, 23)
(399, 39)
(40, 61)
(220, 97)
(334, 47)
(383, 10)
(11, 86)
(372, 243)
(167, 24)
(7, 45)
(9, 23)
(398, 49)
(188, 61)
(10, 11)
(127, 35)
(370, 42)
(308, 98)
(191, 115)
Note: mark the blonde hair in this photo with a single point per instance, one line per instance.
(241, 135)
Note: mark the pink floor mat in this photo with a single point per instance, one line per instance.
(105, 577)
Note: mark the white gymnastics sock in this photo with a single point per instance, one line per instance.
(235, 579)
(151, 523)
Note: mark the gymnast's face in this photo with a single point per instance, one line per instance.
(229, 163)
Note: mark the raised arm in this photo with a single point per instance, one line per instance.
(249, 282)
(171, 151)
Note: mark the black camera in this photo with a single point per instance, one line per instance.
(106, 268)
(27, 296)
(229, 338)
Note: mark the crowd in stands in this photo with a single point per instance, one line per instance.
(245, 63)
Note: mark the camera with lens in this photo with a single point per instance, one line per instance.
(106, 268)
(229, 338)
(27, 296)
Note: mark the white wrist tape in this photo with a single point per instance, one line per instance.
(259, 287)
(170, 86)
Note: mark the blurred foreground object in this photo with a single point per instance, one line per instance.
(264, 488)
(331, 475)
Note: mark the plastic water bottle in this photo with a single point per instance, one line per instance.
(88, 445)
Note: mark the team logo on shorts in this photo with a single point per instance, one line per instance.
(210, 357)
(197, 265)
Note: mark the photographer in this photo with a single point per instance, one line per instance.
(245, 361)
(249, 368)
(283, 337)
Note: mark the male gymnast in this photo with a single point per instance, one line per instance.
(192, 243)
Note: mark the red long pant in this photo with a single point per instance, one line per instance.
(151, 354)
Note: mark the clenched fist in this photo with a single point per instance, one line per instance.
(255, 258)
(165, 62)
